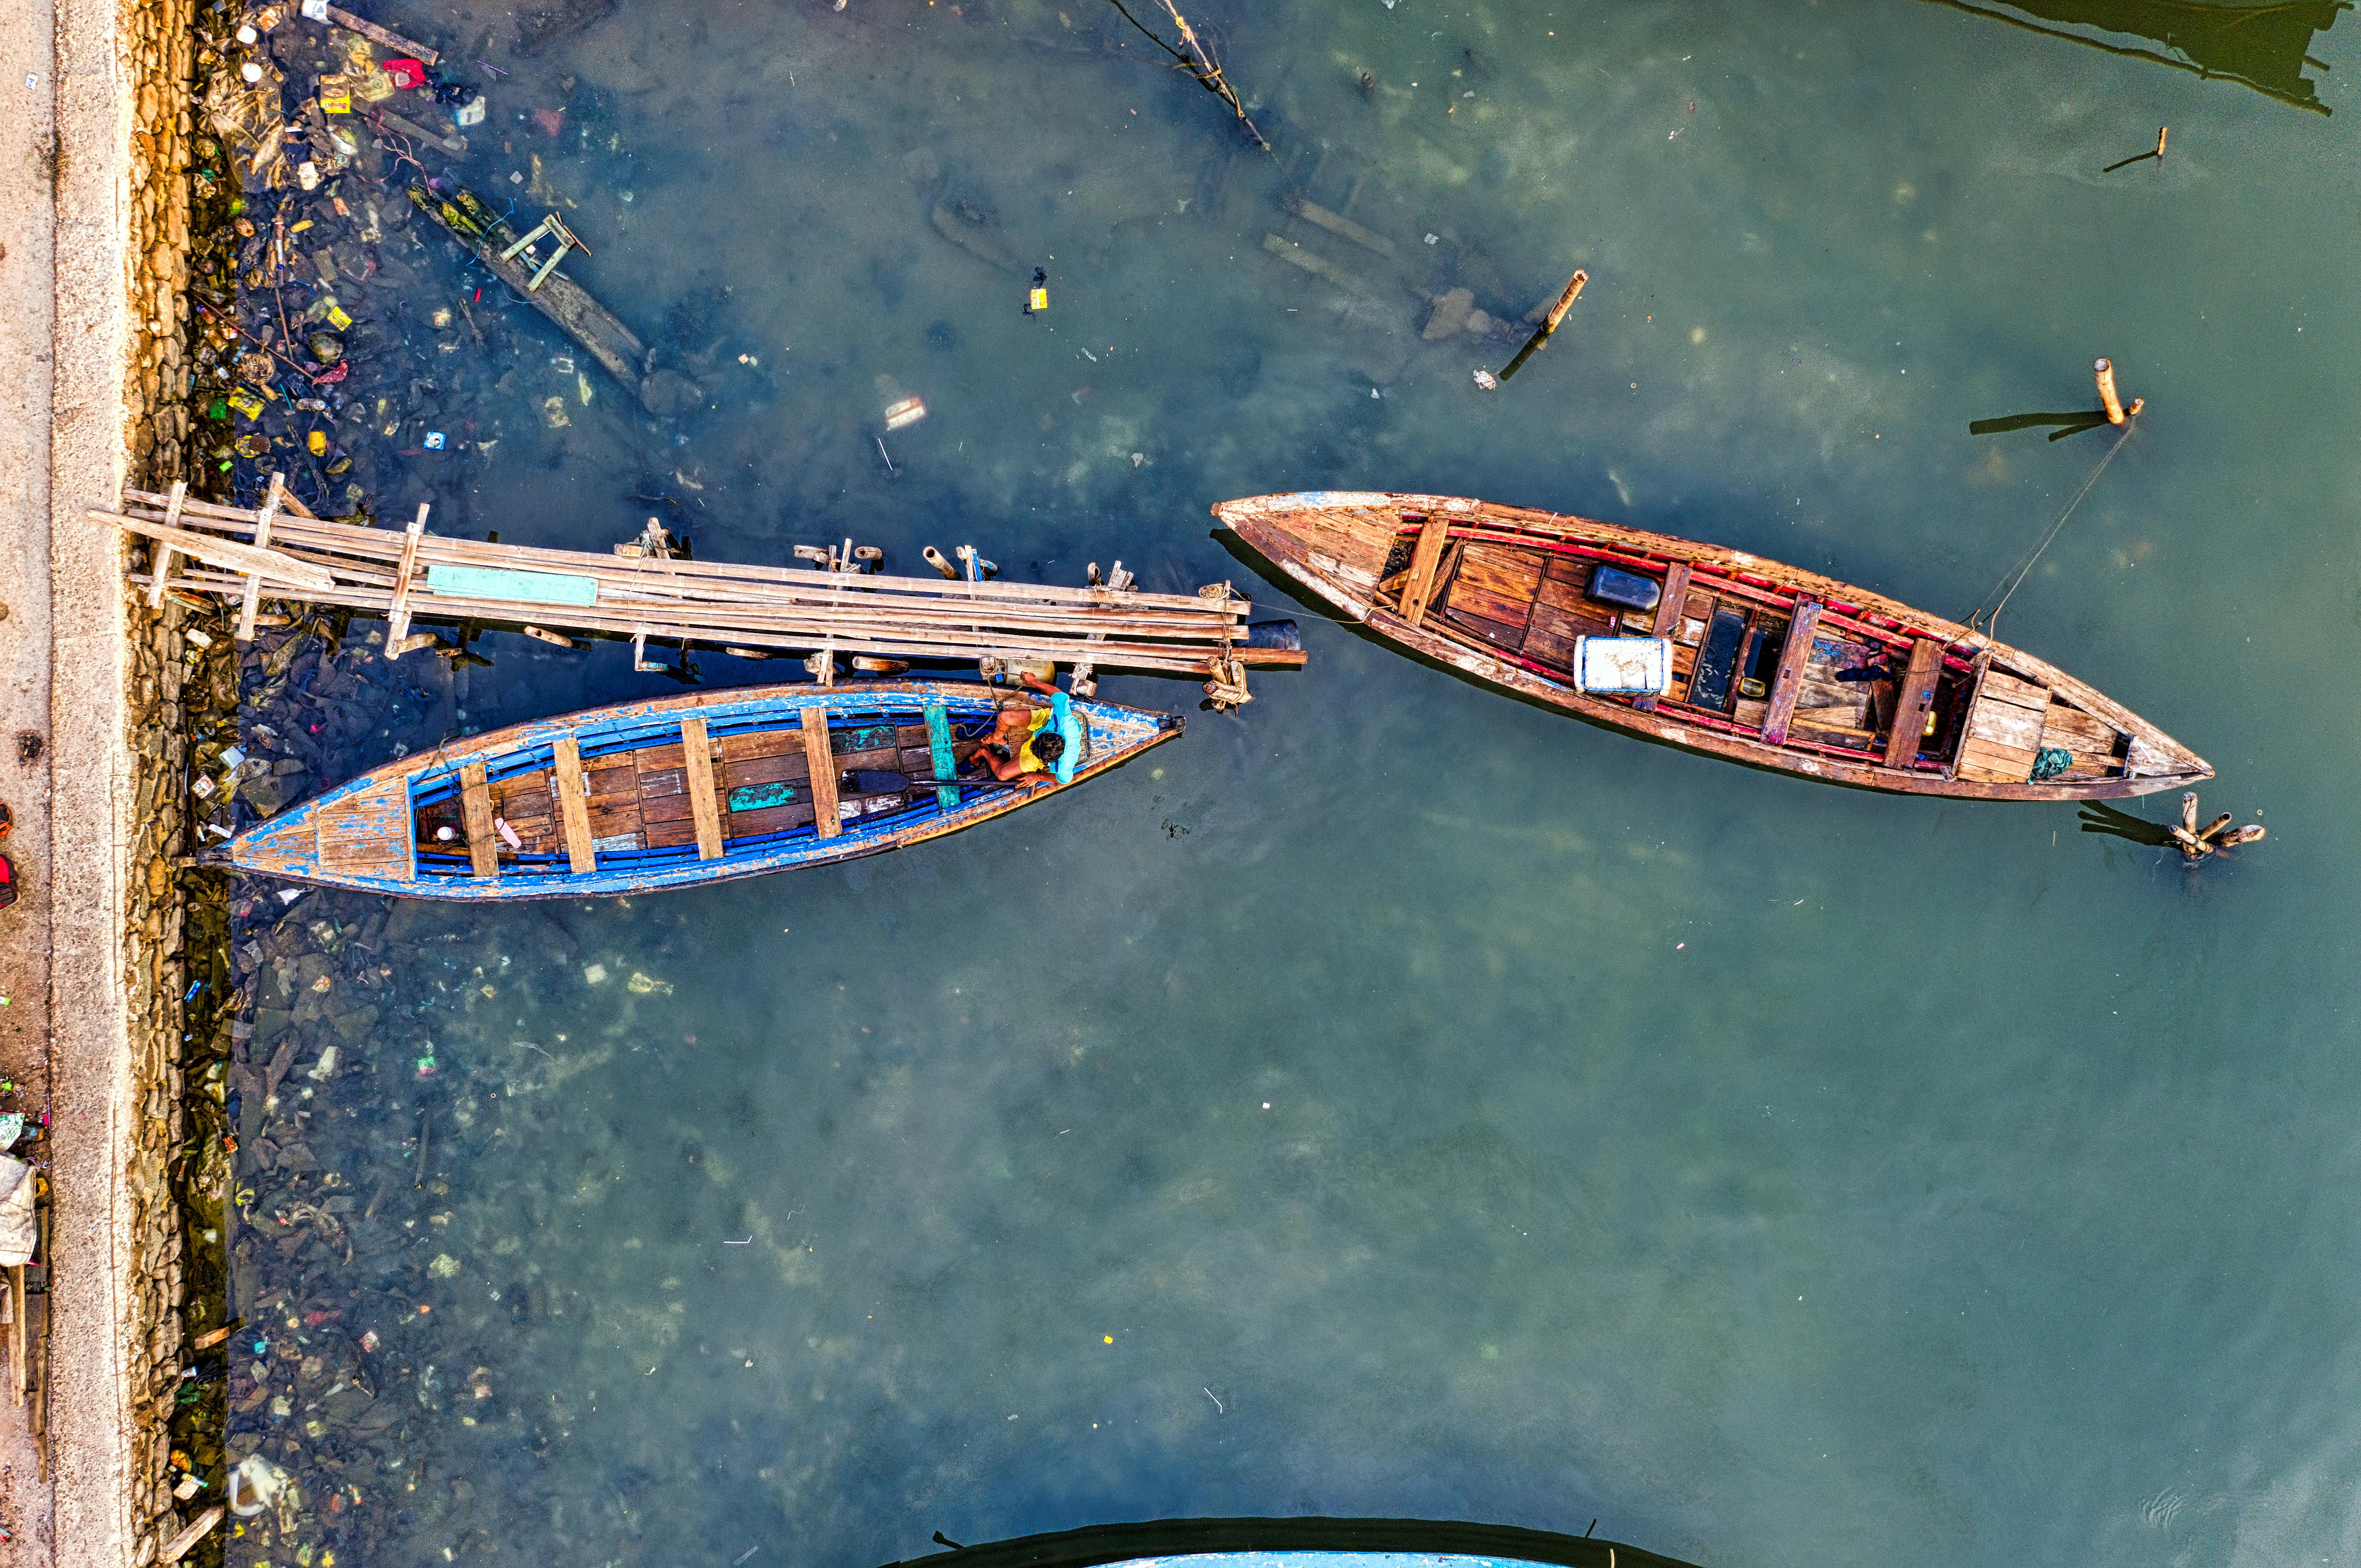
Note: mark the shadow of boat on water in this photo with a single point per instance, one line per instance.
(2264, 47)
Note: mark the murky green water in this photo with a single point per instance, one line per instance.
(1396, 1100)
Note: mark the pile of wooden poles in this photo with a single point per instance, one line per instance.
(278, 552)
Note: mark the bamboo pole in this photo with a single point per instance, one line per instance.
(1556, 313)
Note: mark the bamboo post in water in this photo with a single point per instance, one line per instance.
(1572, 292)
(2116, 413)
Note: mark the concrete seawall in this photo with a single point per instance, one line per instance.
(94, 221)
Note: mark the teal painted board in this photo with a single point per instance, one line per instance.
(754, 797)
(938, 743)
(498, 583)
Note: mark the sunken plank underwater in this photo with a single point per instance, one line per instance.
(647, 796)
(1768, 664)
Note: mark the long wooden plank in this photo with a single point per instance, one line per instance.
(1668, 616)
(476, 803)
(2005, 724)
(252, 602)
(1910, 705)
(823, 772)
(1424, 561)
(226, 554)
(698, 762)
(1335, 223)
(1792, 655)
(574, 804)
(163, 551)
(397, 615)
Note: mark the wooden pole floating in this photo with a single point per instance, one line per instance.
(2160, 131)
(253, 601)
(397, 615)
(1550, 320)
(2116, 413)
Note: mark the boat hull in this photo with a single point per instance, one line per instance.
(1303, 1542)
(2014, 710)
(364, 834)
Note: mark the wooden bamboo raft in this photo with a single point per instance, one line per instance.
(274, 552)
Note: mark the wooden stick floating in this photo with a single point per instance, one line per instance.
(1549, 322)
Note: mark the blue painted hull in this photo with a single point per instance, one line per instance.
(289, 845)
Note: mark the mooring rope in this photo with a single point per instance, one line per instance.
(2008, 585)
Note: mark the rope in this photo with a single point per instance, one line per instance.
(2008, 585)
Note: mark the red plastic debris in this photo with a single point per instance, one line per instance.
(406, 73)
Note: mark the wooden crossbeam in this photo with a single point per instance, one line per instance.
(1911, 703)
(696, 758)
(476, 805)
(398, 616)
(163, 551)
(574, 807)
(823, 771)
(1419, 586)
(1789, 683)
(1668, 616)
(253, 601)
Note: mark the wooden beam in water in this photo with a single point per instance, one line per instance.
(1310, 212)
(476, 806)
(1319, 267)
(696, 756)
(823, 771)
(574, 807)
(163, 549)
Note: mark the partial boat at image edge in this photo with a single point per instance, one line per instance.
(1296, 1543)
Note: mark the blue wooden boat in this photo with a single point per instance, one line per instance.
(646, 795)
(1295, 1543)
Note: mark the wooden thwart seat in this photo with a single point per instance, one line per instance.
(1911, 703)
(1789, 681)
(476, 803)
(2004, 730)
(574, 807)
(823, 772)
(696, 758)
(1669, 605)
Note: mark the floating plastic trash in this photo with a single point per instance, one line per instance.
(909, 411)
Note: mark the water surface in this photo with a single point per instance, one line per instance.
(1391, 1099)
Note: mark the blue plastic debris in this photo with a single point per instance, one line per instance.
(434, 441)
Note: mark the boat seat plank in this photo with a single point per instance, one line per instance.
(1425, 563)
(2001, 686)
(814, 724)
(1912, 701)
(476, 803)
(698, 752)
(574, 805)
(1787, 684)
(1666, 620)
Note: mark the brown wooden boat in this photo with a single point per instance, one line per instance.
(1712, 649)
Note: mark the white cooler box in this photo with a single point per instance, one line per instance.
(1623, 667)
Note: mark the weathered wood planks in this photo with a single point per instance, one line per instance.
(368, 832)
(697, 753)
(1668, 616)
(574, 805)
(476, 803)
(1424, 562)
(1911, 703)
(1789, 680)
(822, 763)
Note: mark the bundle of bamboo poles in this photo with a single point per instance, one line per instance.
(275, 552)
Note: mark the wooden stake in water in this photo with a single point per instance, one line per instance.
(1549, 322)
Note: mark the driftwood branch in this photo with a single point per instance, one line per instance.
(1198, 61)
(1565, 299)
